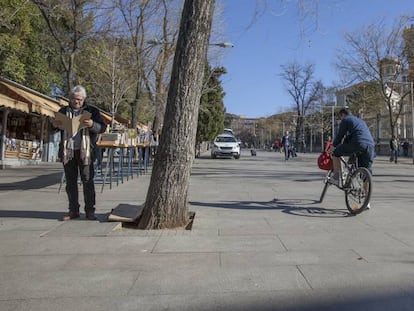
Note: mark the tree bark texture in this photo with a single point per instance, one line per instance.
(166, 204)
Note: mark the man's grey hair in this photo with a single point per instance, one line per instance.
(78, 89)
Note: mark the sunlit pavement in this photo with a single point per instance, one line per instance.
(260, 241)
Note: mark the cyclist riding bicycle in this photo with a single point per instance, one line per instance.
(353, 136)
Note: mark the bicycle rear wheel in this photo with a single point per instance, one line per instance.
(326, 185)
(358, 190)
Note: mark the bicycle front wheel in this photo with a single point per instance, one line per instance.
(358, 190)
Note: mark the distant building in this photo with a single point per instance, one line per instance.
(396, 83)
(240, 124)
(408, 36)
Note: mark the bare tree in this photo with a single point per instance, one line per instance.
(166, 204)
(376, 54)
(301, 87)
(69, 22)
(365, 99)
(162, 65)
(135, 15)
(108, 72)
(157, 81)
(142, 20)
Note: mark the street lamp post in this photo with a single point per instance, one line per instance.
(333, 121)
(322, 136)
(412, 121)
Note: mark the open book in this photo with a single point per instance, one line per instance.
(72, 126)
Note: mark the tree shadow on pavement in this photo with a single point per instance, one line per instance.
(46, 215)
(37, 182)
(296, 207)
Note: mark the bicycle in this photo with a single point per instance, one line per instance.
(355, 181)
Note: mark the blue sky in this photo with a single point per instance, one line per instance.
(253, 86)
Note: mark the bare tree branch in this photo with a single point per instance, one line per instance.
(299, 83)
(376, 54)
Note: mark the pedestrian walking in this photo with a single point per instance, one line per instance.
(394, 149)
(286, 145)
(405, 146)
(328, 144)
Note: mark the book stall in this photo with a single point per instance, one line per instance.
(124, 152)
(24, 117)
(23, 139)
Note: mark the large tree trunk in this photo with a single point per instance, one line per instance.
(166, 204)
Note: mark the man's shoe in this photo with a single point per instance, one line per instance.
(70, 216)
(90, 215)
(368, 206)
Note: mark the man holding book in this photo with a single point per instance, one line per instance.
(77, 149)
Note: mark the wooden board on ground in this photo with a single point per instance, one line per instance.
(125, 213)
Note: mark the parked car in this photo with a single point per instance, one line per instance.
(225, 145)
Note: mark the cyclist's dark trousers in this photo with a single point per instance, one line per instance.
(366, 157)
(365, 153)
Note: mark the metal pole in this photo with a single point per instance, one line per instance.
(322, 138)
(3, 134)
(412, 121)
(311, 139)
(333, 122)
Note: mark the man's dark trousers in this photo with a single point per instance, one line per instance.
(72, 170)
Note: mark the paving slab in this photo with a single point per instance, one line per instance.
(339, 240)
(17, 263)
(397, 254)
(360, 275)
(191, 244)
(260, 242)
(379, 299)
(202, 279)
(243, 260)
(144, 261)
(79, 228)
(71, 245)
(25, 223)
(48, 284)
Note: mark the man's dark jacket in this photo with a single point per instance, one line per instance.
(98, 127)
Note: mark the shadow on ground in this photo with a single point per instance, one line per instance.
(401, 300)
(46, 215)
(297, 207)
(37, 182)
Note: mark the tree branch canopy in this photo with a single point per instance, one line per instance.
(376, 54)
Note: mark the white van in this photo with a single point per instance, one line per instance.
(228, 131)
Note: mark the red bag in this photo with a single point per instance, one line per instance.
(325, 161)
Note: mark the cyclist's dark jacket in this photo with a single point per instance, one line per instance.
(356, 132)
